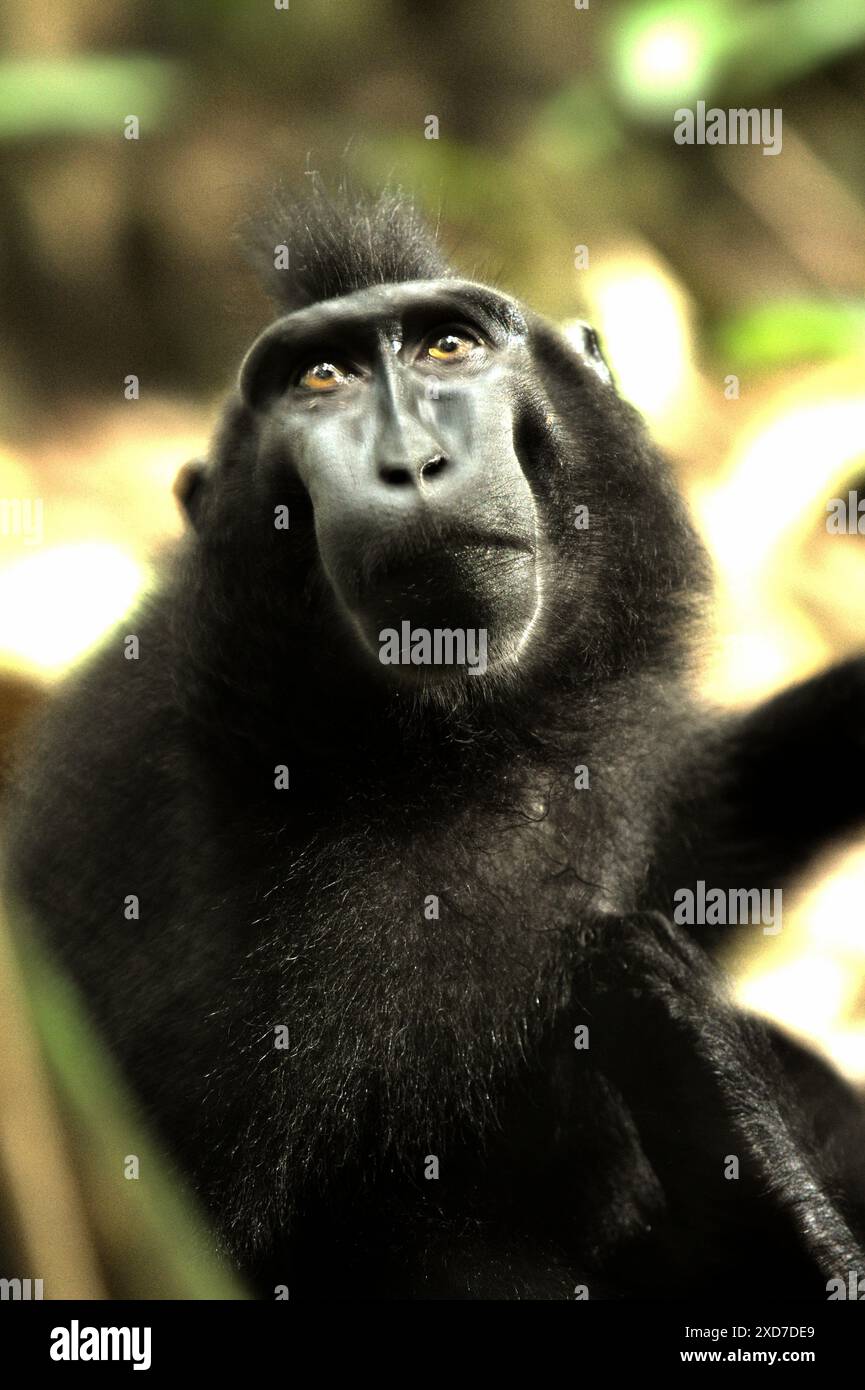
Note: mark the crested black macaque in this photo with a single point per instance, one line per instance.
(388, 803)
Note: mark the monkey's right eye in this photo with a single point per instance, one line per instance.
(322, 376)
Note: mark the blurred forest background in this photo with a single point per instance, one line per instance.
(727, 285)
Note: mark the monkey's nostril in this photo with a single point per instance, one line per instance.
(398, 474)
(433, 466)
(394, 474)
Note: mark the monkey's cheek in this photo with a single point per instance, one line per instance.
(474, 617)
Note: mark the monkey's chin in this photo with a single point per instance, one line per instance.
(433, 635)
(443, 656)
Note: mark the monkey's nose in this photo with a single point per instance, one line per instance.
(404, 474)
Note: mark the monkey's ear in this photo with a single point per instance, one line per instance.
(558, 352)
(588, 344)
(189, 488)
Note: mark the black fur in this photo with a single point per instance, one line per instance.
(339, 244)
(454, 1037)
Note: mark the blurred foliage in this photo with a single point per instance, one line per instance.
(140, 1238)
(772, 335)
(556, 129)
(81, 96)
(742, 48)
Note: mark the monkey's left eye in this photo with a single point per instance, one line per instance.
(450, 347)
(323, 376)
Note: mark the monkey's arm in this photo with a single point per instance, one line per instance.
(776, 787)
(759, 1148)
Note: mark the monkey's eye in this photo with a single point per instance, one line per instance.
(323, 376)
(451, 347)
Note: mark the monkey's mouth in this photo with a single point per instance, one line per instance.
(463, 604)
(412, 558)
